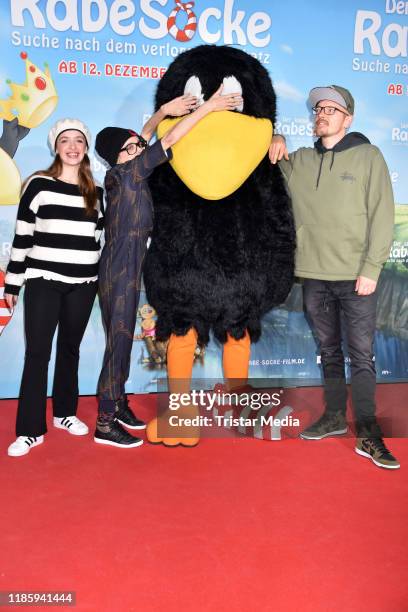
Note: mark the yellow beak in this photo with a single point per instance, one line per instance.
(219, 153)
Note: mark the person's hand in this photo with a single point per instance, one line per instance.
(218, 102)
(180, 106)
(277, 149)
(365, 286)
(11, 300)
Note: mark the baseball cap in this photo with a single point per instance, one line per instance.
(335, 93)
(62, 125)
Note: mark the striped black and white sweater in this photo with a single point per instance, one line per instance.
(55, 238)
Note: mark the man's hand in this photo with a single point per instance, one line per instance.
(365, 286)
(219, 102)
(11, 300)
(180, 106)
(278, 149)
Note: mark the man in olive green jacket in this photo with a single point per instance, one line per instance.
(344, 213)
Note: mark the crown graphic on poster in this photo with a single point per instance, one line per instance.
(33, 101)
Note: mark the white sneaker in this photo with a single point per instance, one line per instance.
(23, 445)
(71, 424)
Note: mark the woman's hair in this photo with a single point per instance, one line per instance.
(86, 183)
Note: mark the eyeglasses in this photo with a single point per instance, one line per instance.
(131, 148)
(327, 110)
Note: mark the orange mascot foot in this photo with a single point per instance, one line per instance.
(161, 431)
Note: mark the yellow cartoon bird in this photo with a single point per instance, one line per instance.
(27, 107)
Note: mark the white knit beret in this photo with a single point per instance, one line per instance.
(67, 124)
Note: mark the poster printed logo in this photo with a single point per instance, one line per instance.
(189, 29)
(399, 135)
(374, 36)
(227, 25)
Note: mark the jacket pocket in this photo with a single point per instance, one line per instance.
(332, 251)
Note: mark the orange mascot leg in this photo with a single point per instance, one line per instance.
(180, 359)
(235, 361)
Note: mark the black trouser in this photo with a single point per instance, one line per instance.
(324, 300)
(49, 303)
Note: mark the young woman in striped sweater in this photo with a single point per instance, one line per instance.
(56, 252)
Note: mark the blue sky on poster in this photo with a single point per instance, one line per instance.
(301, 44)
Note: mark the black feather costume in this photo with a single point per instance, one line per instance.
(222, 264)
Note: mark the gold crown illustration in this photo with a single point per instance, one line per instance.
(33, 101)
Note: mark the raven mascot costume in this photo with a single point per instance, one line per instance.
(222, 249)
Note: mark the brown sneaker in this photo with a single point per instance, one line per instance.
(328, 425)
(375, 449)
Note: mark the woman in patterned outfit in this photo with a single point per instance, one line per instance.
(129, 221)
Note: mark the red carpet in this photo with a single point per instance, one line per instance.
(234, 524)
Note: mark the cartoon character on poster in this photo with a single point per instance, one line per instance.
(29, 105)
(156, 350)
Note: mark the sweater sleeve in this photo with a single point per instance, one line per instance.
(286, 166)
(23, 238)
(380, 212)
(143, 165)
(112, 202)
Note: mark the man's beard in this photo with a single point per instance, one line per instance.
(321, 127)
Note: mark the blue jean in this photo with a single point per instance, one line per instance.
(324, 301)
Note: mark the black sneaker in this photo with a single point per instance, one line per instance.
(328, 425)
(125, 416)
(375, 449)
(117, 436)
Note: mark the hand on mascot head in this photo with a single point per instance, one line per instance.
(180, 106)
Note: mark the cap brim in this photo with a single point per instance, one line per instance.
(326, 93)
